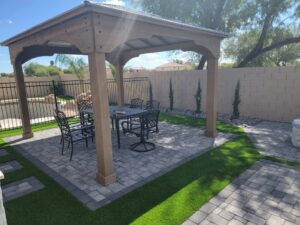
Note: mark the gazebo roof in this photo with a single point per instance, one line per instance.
(113, 10)
(120, 32)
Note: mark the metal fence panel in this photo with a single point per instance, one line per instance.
(42, 97)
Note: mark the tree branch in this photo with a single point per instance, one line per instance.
(279, 44)
(275, 45)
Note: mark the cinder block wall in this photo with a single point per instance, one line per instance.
(266, 93)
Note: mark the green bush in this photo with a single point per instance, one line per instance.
(35, 69)
(150, 94)
(59, 88)
(236, 102)
(198, 98)
(171, 95)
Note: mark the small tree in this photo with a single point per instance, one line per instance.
(198, 98)
(73, 64)
(113, 70)
(236, 102)
(171, 95)
(150, 94)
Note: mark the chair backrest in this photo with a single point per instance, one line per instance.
(84, 104)
(150, 118)
(63, 123)
(152, 105)
(136, 103)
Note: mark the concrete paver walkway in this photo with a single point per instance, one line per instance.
(267, 193)
(10, 166)
(20, 188)
(273, 139)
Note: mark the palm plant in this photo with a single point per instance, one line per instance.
(74, 64)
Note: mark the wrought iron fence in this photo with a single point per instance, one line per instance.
(44, 96)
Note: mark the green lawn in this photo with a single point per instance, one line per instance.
(169, 199)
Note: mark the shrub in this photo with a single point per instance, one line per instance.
(58, 87)
(198, 98)
(171, 95)
(236, 102)
(150, 94)
(35, 69)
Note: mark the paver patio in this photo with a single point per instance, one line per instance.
(267, 193)
(176, 144)
(273, 139)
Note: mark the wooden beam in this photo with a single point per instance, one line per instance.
(212, 96)
(146, 42)
(41, 50)
(105, 173)
(161, 39)
(23, 104)
(131, 46)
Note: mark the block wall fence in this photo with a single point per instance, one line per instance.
(266, 93)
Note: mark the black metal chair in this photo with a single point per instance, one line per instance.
(73, 125)
(148, 124)
(85, 119)
(152, 105)
(71, 135)
(136, 103)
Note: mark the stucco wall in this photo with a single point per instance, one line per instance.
(266, 93)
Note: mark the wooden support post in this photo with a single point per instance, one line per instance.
(212, 96)
(106, 174)
(21, 89)
(120, 84)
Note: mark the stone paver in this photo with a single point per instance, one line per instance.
(274, 139)
(10, 166)
(247, 200)
(2, 210)
(20, 188)
(175, 144)
(3, 152)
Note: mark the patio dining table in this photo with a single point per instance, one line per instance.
(118, 113)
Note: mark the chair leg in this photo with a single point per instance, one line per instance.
(61, 139)
(71, 151)
(69, 144)
(86, 143)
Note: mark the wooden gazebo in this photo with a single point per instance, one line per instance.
(105, 32)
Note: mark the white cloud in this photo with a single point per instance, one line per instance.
(9, 21)
(115, 2)
(149, 61)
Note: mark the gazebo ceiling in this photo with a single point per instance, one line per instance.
(118, 32)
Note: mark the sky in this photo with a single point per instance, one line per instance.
(19, 15)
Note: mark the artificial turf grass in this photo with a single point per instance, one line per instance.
(282, 161)
(199, 122)
(169, 199)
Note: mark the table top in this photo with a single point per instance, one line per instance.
(119, 111)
